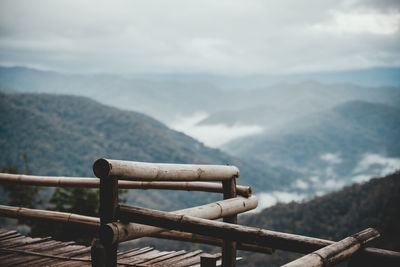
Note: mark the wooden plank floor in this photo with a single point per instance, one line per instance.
(19, 250)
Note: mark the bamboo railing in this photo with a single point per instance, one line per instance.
(86, 182)
(111, 171)
(118, 223)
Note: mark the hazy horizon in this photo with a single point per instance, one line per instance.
(222, 38)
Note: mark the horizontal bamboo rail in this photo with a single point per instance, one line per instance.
(143, 171)
(17, 212)
(391, 258)
(240, 233)
(337, 252)
(195, 238)
(118, 232)
(60, 181)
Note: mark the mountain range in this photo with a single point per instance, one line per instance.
(349, 142)
(316, 138)
(64, 135)
(168, 98)
(306, 137)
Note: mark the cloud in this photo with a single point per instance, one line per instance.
(314, 179)
(374, 165)
(382, 164)
(332, 184)
(212, 135)
(331, 158)
(370, 22)
(361, 178)
(300, 184)
(269, 199)
(223, 37)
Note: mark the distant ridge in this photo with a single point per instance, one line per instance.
(349, 132)
(377, 76)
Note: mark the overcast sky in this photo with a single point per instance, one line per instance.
(219, 37)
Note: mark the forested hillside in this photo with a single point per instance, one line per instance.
(64, 135)
(333, 148)
(335, 216)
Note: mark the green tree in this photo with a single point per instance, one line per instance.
(21, 195)
(81, 201)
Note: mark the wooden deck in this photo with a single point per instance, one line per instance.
(19, 250)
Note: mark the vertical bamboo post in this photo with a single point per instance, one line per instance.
(97, 254)
(228, 246)
(108, 208)
(108, 212)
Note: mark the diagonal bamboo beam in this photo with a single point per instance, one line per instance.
(375, 255)
(195, 238)
(117, 232)
(240, 233)
(337, 252)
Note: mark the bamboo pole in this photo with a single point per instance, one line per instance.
(108, 214)
(118, 232)
(60, 181)
(337, 252)
(191, 224)
(143, 171)
(375, 256)
(250, 235)
(17, 212)
(229, 246)
(195, 238)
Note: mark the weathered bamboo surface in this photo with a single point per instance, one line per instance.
(195, 238)
(337, 252)
(191, 224)
(118, 232)
(143, 171)
(371, 256)
(60, 181)
(246, 234)
(229, 247)
(18, 212)
(108, 213)
(17, 250)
